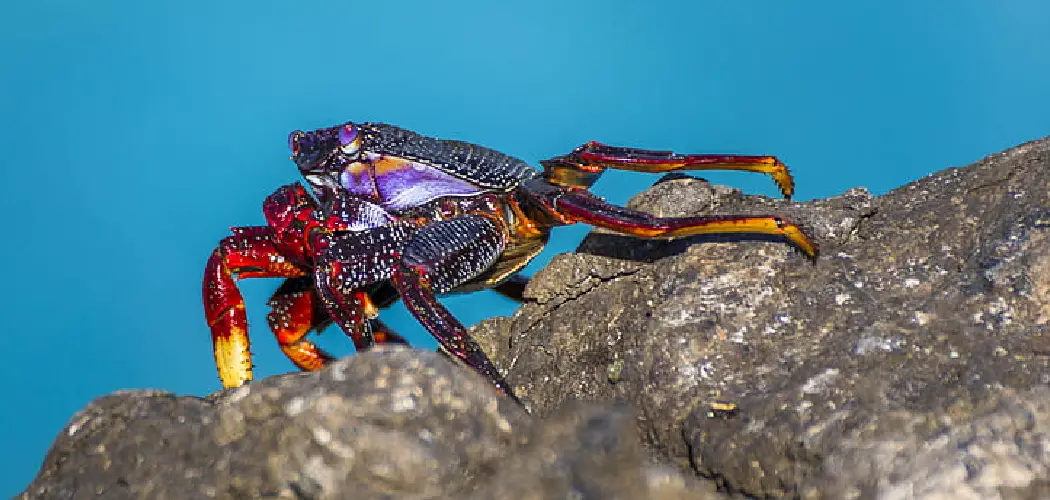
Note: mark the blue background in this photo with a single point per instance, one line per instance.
(134, 133)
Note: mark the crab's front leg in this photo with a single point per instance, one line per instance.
(350, 265)
(437, 259)
(582, 167)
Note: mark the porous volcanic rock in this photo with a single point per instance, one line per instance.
(909, 361)
(390, 423)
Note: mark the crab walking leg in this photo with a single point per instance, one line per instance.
(581, 206)
(594, 156)
(250, 252)
(418, 295)
(295, 311)
(383, 295)
(349, 265)
(438, 258)
(353, 312)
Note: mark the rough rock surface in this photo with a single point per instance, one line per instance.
(909, 361)
(392, 423)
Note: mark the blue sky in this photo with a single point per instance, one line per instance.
(134, 133)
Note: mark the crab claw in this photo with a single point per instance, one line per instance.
(228, 321)
(583, 165)
(249, 252)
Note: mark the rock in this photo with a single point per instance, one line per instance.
(909, 361)
(390, 423)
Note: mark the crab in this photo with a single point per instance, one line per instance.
(395, 214)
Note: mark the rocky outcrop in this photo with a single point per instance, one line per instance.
(909, 361)
(392, 423)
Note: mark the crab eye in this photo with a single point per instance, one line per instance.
(293, 141)
(349, 140)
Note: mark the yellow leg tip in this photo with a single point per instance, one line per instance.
(233, 359)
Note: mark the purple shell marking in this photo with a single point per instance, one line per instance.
(408, 184)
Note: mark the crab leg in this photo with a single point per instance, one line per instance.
(577, 205)
(417, 291)
(250, 252)
(295, 311)
(355, 313)
(437, 259)
(593, 157)
(350, 264)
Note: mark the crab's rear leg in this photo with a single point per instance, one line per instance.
(250, 252)
(578, 205)
(437, 259)
(583, 165)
